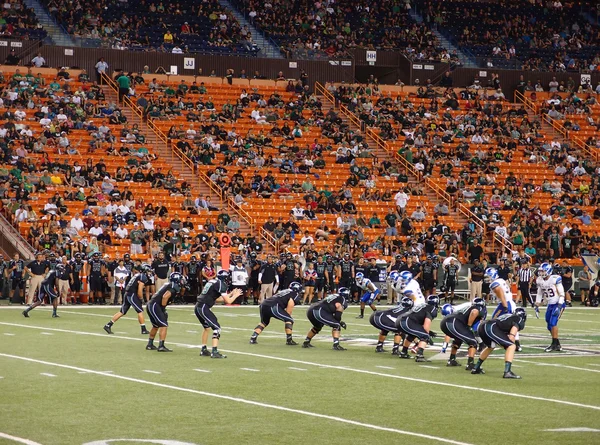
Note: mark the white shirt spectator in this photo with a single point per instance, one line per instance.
(307, 238)
(20, 115)
(298, 212)
(148, 224)
(579, 171)
(38, 61)
(124, 209)
(501, 231)
(418, 215)
(77, 223)
(96, 231)
(122, 232)
(560, 170)
(50, 208)
(401, 199)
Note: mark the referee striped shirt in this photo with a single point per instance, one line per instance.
(525, 275)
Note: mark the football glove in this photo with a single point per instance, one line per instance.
(432, 334)
(343, 324)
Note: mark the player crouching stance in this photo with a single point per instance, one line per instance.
(157, 311)
(134, 294)
(214, 290)
(371, 292)
(416, 324)
(280, 307)
(48, 288)
(328, 312)
(501, 331)
(385, 321)
(459, 326)
(550, 286)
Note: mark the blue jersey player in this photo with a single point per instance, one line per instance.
(550, 287)
(501, 290)
(370, 293)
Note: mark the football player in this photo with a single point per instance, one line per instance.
(549, 287)
(134, 294)
(214, 290)
(501, 331)
(280, 307)
(501, 289)
(370, 293)
(409, 287)
(459, 325)
(48, 288)
(157, 311)
(385, 321)
(416, 324)
(328, 312)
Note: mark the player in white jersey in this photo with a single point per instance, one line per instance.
(411, 288)
(370, 293)
(550, 286)
(501, 290)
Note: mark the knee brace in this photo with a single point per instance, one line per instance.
(216, 334)
(289, 325)
(260, 327)
(384, 333)
(314, 330)
(457, 344)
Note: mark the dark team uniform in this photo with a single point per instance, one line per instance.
(76, 269)
(324, 312)
(320, 268)
(411, 323)
(276, 307)
(346, 279)
(48, 286)
(451, 277)
(255, 266)
(385, 321)
(211, 292)
(155, 309)
(193, 273)
(161, 269)
(289, 273)
(567, 281)
(330, 267)
(495, 332)
(95, 278)
(16, 277)
(428, 276)
(131, 293)
(456, 326)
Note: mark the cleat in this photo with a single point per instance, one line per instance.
(151, 348)
(253, 341)
(307, 344)
(510, 375)
(107, 329)
(204, 353)
(380, 349)
(443, 351)
(558, 348)
(477, 371)
(519, 348)
(25, 314)
(145, 331)
(403, 355)
(395, 352)
(55, 316)
(537, 312)
(164, 349)
(452, 363)
(217, 354)
(291, 342)
(338, 347)
(421, 359)
(470, 367)
(361, 316)
(550, 348)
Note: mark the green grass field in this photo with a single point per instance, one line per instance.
(64, 381)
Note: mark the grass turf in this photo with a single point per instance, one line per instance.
(357, 385)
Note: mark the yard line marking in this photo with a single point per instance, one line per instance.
(18, 439)
(239, 400)
(574, 430)
(192, 332)
(250, 369)
(202, 370)
(384, 367)
(557, 365)
(47, 374)
(429, 367)
(593, 364)
(9, 334)
(297, 369)
(46, 333)
(149, 371)
(325, 366)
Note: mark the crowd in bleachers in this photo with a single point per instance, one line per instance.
(537, 35)
(17, 20)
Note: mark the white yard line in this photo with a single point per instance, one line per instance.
(342, 368)
(429, 367)
(250, 369)
(18, 439)
(45, 374)
(557, 365)
(384, 367)
(10, 334)
(241, 400)
(574, 430)
(202, 370)
(149, 371)
(297, 369)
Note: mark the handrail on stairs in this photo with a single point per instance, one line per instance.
(269, 238)
(320, 89)
(520, 97)
(556, 126)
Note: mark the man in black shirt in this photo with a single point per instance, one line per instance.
(161, 268)
(475, 251)
(280, 307)
(63, 280)
(267, 279)
(501, 331)
(255, 266)
(214, 290)
(459, 326)
(37, 269)
(331, 273)
(48, 288)
(3, 278)
(16, 272)
(566, 273)
(157, 311)
(476, 282)
(287, 270)
(416, 324)
(328, 312)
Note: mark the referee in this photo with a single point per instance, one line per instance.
(525, 277)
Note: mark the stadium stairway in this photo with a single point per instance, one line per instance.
(200, 184)
(55, 32)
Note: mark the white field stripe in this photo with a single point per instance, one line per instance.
(18, 439)
(557, 365)
(384, 367)
(47, 374)
(324, 366)
(202, 370)
(297, 369)
(10, 334)
(46, 333)
(240, 400)
(429, 367)
(149, 371)
(250, 369)
(594, 364)
(574, 430)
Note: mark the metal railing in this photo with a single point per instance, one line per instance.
(12, 241)
(269, 239)
(588, 150)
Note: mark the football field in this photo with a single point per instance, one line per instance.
(65, 381)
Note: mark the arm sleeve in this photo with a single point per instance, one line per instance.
(538, 297)
(338, 316)
(260, 276)
(561, 292)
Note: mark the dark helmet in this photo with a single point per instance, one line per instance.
(224, 275)
(253, 255)
(193, 259)
(96, 255)
(407, 303)
(520, 312)
(126, 257)
(433, 300)
(344, 292)
(146, 268)
(443, 289)
(60, 267)
(479, 303)
(296, 287)
(78, 256)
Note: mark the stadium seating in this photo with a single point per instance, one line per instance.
(20, 21)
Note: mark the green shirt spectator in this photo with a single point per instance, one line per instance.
(123, 81)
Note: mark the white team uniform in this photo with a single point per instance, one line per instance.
(502, 284)
(550, 288)
(413, 290)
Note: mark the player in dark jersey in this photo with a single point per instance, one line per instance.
(428, 276)
(451, 280)
(321, 283)
(279, 306)
(385, 321)
(255, 266)
(157, 311)
(459, 325)
(331, 271)
(192, 271)
(95, 270)
(134, 294)
(214, 290)
(359, 268)
(48, 288)
(77, 270)
(345, 271)
(328, 312)
(287, 270)
(416, 324)
(501, 331)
